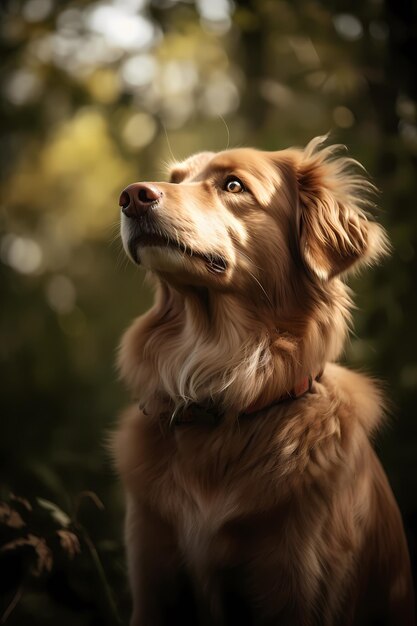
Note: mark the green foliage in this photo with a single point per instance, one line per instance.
(96, 95)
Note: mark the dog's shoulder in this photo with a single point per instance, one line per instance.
(360, 398)
(323, 437)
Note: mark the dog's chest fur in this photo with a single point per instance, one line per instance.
(199, 521)
(203, 496)
(222, 534)
(237, 496)
(216, 480)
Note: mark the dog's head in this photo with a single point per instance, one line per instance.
(228, 219)
(254, 243)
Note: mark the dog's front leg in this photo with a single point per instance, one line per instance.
(160, 587)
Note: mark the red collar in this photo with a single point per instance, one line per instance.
(209, 414)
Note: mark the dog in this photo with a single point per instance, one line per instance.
(254, 496)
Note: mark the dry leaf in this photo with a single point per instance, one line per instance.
(43, 553)
(23, 501)
(10, 517)
(69, 542)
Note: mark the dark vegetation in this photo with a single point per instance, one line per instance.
(90, 92)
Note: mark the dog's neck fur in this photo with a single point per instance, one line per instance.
(193, 347)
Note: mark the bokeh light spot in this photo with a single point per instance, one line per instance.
(214, 10)
(60, 293)
(120, 27)
(138, 70)
(379, 30)
(21, 253)
(23, 86)
(139, 130)
(220, 97)
(343, 117)
(36, 10)
(104, 85)
(348, 26)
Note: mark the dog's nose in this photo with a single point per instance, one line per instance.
(136, 199)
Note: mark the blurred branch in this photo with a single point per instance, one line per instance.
(14, 602)
(109, 608)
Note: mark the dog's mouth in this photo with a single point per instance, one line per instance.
(215, 263)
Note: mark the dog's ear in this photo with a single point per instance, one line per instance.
(336, 233)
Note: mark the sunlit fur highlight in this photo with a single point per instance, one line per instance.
(293, 500)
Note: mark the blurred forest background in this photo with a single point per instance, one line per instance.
(90, 92)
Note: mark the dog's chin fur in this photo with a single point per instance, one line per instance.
(200, 345)
(286, 516)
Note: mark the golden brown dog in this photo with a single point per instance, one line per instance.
(254, 496)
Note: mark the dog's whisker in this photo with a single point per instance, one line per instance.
(169, 143)
(122, 261)
(249, 259)
(227, 130)
(256, 279)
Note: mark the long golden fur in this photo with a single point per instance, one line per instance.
(283, 516)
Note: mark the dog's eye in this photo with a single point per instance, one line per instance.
(234, 185)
